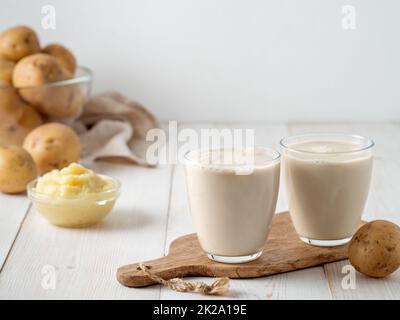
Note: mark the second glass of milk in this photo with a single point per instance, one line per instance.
(327, 178)
(232, 197)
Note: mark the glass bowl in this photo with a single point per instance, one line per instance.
(23, 109)
(74, 212)
(60, 99)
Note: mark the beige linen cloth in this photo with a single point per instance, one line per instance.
(113, 128)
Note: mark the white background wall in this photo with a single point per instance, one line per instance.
(234, 60)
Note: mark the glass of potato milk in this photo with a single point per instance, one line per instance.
(232, 197)
(328, 179)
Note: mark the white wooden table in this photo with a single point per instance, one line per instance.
(152, 211)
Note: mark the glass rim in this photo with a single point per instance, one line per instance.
(275, 158)
(369, 142)
(86, 77)
(36, 195)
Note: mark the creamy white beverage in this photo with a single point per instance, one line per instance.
(328, 179)
(232, 208)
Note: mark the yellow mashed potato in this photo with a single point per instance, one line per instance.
(74, 196)
(73, 181)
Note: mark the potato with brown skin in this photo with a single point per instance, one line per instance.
(11, 108)
(38, 69)
(18, 42)
(56, 102)
(17, 169)
(374, 249)
(31, 75)
(30, 118)
(53, 146)
(64, 56)
(6, 69)
(13, 132)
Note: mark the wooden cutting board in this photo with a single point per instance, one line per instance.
(283, 252)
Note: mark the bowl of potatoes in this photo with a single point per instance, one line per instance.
(37, 84)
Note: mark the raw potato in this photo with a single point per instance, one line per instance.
(17, 118)
(63, 55)
(30, 118)
(53, 146)
(14, 132)
(375, 248)
(38, 69)
(11, 105)
(32, 73)
(17, 169)
(18, 42)
(6, 69)
(58, 102)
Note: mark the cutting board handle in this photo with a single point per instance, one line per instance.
(133, 276)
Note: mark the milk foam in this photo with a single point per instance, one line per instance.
(231, 159)
(325, 146)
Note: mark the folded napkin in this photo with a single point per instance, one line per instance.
(113, 128)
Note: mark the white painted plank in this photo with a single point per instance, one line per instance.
(13, 209)
(303, 284)
(365, 287)
(383, 203)
(86, 260)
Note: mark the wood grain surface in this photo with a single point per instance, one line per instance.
(283, 252)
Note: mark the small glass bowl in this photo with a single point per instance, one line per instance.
(74, 212)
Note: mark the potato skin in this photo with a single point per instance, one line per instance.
(32, 73)
(30, 118)
(38, 69)
(13, 132)
(6, 69)
(18, 42)
(17, 169)
(64, 56)
(53, 146)
(57, 102)
(17, 117)
(11, 105)
(374, 250)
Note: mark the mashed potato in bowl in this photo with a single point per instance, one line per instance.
(73, 196)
